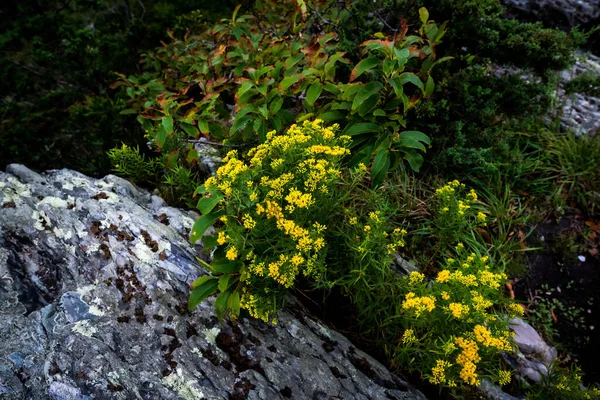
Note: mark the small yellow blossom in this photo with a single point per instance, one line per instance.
(232, 253)
(458, 310)
(409, 337)
(504, 377)
(222, 238)
(367, 228)
(415, 278)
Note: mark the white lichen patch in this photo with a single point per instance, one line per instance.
(63, 234)
(211, 335)
(197, 352)
(77, 182)
(114, 376)
(2, 184)
(111, 198)
(67, 186)
(54, 202)
(184, 388)
(84, 328)
(96, 311)
(21, 189)
(145, 253)
(92, 248)
(41, 220)
(103, 185)
(81, 229)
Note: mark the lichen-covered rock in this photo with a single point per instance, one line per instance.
(94, 278)
(577, 112)
(565, 13)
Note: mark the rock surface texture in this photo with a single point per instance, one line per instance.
(565, 13)
(94, 278)
(577, 112)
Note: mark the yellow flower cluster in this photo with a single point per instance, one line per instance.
(409, 337)
(222, 238)
(504, 377)
(249, 223)
(418, 304)
(438, 373)
(484, 336)
(415, 278)
(468, 359)
(299, 199)
(331, 151)
(232, 253)
(458, 310)
(516, 310)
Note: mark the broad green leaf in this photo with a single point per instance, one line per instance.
(190, 129)
(361, 156)
(380, 166)
(161, 136)
(313, 92)
(361, 127)
(429, 87)
(363, 66)
(192, 155)
(368, 105)
(288, 81)
(412, 78)
(209, 241)
(332, 88)
(202, 292)
(225, 266)
(415, 160)
(244, 87)
(332, 116)
(411, 143)
(423, 15)
(396, 84)
(203, 126)
(234, 304)
(276, 105)
(224, 282)
(293, 60)
(202, 224)
(221, 303)
(200, 281)
(379, 113)
(416, 135)
(206, 204)
(167, 123)
(367, 91)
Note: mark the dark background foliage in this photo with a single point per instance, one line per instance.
(56, 64)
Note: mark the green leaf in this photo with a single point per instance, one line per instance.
(161, 136)
(415, 160)
(244, 87)
(276, 105)
(423, 15)
(397, 86)
(416, 135)
(380, 167)
(202, 292)
(379, 113)
(203, 126)
(363, 66)
(332, 116)
(367, 91)
(202, 224)
(361, 127)
(209, 241)
(200, 281)
(332, 88)
(313, 92)
(429, 87)
(361, 156)
(167, 123)
(412, 78)
(368, 104)
(234, 304)
(224, 282)
(221, 303)
(206, 204)
(190, 129)
(225, 266)
(288, 81)
(293, 60)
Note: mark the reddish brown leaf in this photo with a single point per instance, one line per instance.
(509, 289)
(594, 225)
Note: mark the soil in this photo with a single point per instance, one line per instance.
(562, 289)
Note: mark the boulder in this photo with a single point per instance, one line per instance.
(562, 13)
(94, 278)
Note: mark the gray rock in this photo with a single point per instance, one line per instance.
(565, 13)
(579, 113)
(94, 278)
(531, 343)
